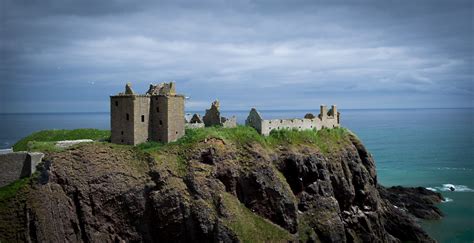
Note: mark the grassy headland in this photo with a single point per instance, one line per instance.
(44, 140)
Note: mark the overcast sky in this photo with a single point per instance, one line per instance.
(64, 55)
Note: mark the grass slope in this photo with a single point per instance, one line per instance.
(42, 140)
(326, 139)
(251, 227)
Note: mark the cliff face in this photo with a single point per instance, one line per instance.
(214, 190)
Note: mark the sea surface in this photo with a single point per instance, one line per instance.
(433, 148)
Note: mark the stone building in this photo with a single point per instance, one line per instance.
(195, 122)
(213, 117)
(157, 115)
(326, 119)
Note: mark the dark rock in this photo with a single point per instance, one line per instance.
(418, 201)
(97, 193)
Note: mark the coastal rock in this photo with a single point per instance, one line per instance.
(215, 191)
(418, 201)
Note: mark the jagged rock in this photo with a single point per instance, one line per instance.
(418, 201)
(101, 193)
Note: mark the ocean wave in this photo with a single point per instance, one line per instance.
(453, 168)
(450, 187)
(447, 199)
(431, 189)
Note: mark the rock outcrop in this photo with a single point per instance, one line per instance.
(214, 191)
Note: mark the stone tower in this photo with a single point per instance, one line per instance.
(157, 115)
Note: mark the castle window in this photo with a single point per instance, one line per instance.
(281, 121)
(122, 140)
(143, 118)
(122, 132)
(157, 109)
(116, 103)
(128, 117)
(176, 132)
(161, 122)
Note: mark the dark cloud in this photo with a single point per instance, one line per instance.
(271, 54)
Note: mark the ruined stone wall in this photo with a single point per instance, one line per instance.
(121, 119)
(14, 166)
(141, 117)
(194, 125)
(212, 117)
(229, 122)
(299, 124)
(264, 127)
(254, 120)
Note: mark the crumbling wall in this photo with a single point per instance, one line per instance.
(194, 125)
(17, 165)
(195, 122)
(324, 120)
(229, 122)
(213, 115)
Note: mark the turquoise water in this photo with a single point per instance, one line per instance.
(412, 147)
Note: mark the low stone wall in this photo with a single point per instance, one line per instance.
(299, 124)
(14, 166)
(324, 120)
(230, 123)
(194, 125)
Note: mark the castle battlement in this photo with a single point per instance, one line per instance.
(326, 119)
(156, 115)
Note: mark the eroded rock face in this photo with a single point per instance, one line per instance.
(98, 193)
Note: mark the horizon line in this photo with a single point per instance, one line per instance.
(188, 111)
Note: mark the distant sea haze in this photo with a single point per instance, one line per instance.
(412, 147)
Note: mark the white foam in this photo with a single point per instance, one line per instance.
(432, 189)
(447, 199)
(457, 188)
(453, 168)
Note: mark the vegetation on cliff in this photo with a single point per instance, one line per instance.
(44, 139)
(214, 184)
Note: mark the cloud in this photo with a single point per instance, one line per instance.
(246, 53)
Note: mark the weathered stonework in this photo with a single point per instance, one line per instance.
(213, 117)
(195, 122)
(17, 165)
(154, 116)
(324, 120)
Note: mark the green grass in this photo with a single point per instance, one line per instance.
(325, 139)
(39, 139)
(11, 189)
(239, 135)
(251, 227)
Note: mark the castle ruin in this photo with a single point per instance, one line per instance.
(213, 117)
(326, 119)
(157, 115)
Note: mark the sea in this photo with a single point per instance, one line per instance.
(432, 148)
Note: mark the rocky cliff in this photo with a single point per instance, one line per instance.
(216, 187)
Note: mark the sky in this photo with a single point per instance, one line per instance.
(70, 56)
